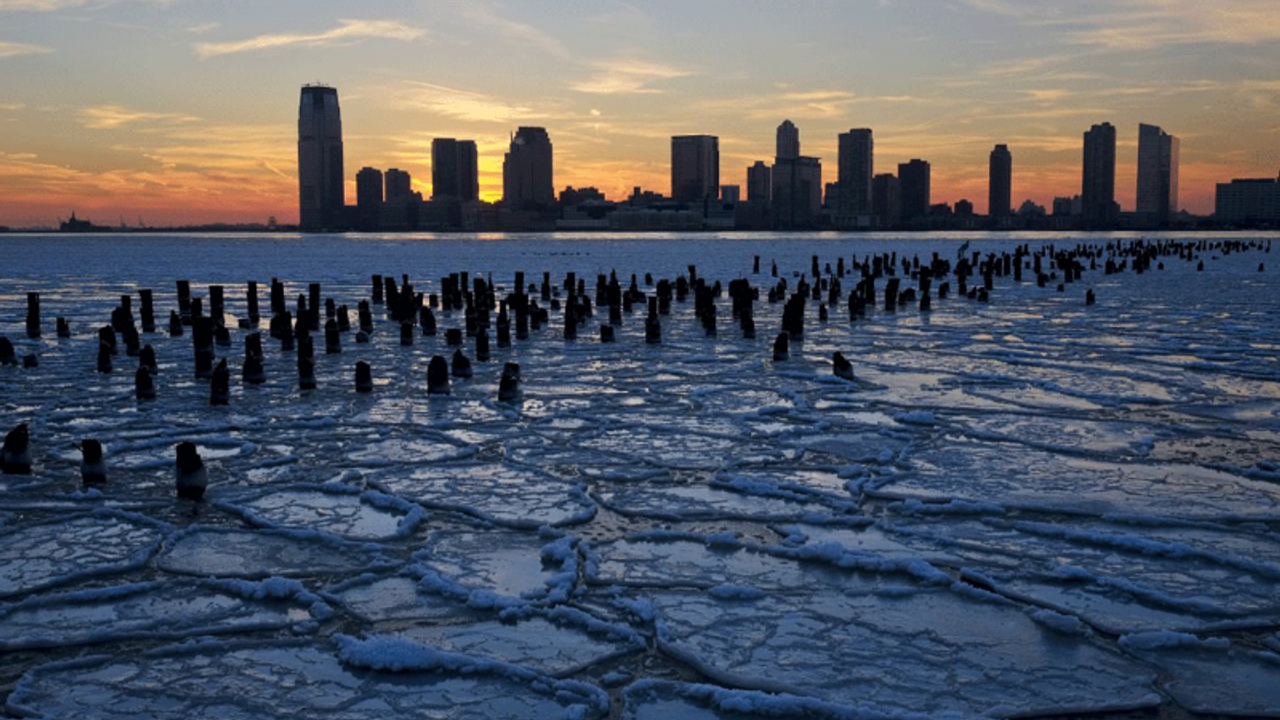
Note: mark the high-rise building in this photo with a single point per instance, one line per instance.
(886, 198)
(855, 170)
(369, 197)
(527, 170)
(368, 187)
(913, 181)
(1098, 187)
(454, 170)
(796, 182)
(1157, 174)
(398, 184)
(695, 168)
(788, 141)
(1248, 201)
(320, 176)
(759, 184)
(1000, 183)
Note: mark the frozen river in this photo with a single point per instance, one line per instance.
(1024, 506)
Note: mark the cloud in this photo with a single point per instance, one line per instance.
(485, 15)
(347, 30)
(1145, 24)
(9, 49)
(461, 104)
(54, 5)
(203, 28)
(627, 77)
(114, 116)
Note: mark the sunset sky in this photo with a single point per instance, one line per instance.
(177, 111)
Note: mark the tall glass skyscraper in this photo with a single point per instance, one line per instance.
(1000, 183)
(527, 170)
(1098, 186)
(695, 168)
(1157, 174)
(320, 190)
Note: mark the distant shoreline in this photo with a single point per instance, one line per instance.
(293, 230)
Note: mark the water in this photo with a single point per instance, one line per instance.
(1027, 505)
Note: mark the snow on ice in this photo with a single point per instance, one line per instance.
(1023, 506)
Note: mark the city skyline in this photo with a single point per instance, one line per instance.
(193, 118)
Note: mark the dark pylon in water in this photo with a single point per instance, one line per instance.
(438, 376)
(364, 377)
(93, 469)
(192, 478)
(509, 385)
(841, 367)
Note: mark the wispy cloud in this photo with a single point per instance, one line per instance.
(461, 104)
(114, 116)
(347, 30)
(1146, 24)
(485, 15)
(54, 5)
(203, 28)
(10, 49)
(627, 77)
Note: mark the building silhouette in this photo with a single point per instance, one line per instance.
(454, 171)
(788, 141)
(797, 183)
(1098, 186)
(369, 198)
(398, 184)
(855, 169)
(913, 181)
(1000, 184)
(320, 177)
(695, 169)
(886, 198)
(527, 171)
(1248, 202)
(1157, 197)
(759, 184)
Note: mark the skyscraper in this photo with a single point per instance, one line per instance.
(695, 168)
(797, 182)
(1098, 190)
(1000, 183)
(398, 185)
(453, 169)
(369, 197)
(527, 170)
(913, 181)
(1157, 174)
(886, 198)
(854, 173)
(788, 141)
(759, 184)
(320, 176)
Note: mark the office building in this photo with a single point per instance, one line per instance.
(886, 197)
(1248, 202)
(913, 183)
(1000, 183)
(368, 197)
(759, 184)
(398, 186)
(855, 168)
(454, 174)
(695, 168)
(788, 139)
(527, 171)
(320, 176)
(1098, 187)
(1157, 196)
